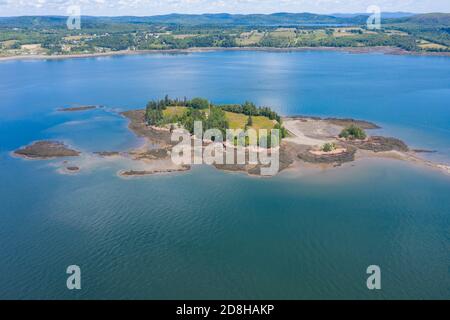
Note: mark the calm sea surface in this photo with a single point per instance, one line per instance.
(210, 234)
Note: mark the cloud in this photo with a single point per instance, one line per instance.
(154, 7)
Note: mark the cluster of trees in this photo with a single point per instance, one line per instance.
(114, 42)
(250, 109)
(154, 110)
(144, 41)
(283, 131)
(199, 41)
(195, 103)
(275, 42)
(215, 119)
(358, 40)
(353, 132)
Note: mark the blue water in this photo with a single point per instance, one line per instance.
(210, 234)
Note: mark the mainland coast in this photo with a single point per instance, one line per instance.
(355, 50)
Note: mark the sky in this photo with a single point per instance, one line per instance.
(156, 7)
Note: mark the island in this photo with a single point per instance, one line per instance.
(78, 108)
(46, 150)
(299, 142)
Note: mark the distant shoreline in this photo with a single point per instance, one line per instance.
(355, 50)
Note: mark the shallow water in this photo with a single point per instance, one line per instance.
(210, 234)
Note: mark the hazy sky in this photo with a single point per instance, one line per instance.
(154, 7)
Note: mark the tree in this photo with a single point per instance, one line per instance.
(250, 121)
(353, 132)
(249, 109)
(283, 131)
(154, 116)
(198, 103)
(328, 147)
(189, 118)
(217, 120)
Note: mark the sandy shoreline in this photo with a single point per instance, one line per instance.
(355, 50)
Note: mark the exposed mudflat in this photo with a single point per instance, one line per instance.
(140, 128)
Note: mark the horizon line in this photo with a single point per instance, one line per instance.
(223, 13)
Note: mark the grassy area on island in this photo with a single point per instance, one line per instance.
(240, 121)
(174, 112)
(235, 120)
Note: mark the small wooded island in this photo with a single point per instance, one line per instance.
(299, 142)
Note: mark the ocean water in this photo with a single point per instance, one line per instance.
(210, 234)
